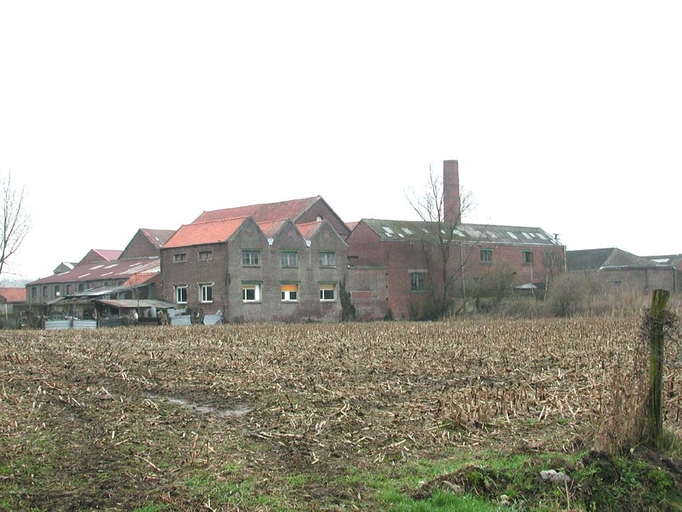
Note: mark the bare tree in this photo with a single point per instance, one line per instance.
(441, 208)
(15, 219)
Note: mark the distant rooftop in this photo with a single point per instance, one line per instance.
(415, 230)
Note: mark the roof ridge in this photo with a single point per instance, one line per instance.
(211, 221)
(262, 204)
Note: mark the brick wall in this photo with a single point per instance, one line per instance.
(230, 276)
(391, 263)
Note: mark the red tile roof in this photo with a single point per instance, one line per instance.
(309, 229)
(140, 278)
(271, 228)
(204, 232)
(12, 295)
(268, 212)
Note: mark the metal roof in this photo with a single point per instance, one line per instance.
(397, 230)
(134, 303)
(103, 271)
(606, 258)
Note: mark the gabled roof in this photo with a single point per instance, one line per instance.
(107, 254)
(395, 230)
(9, 295)
(95, 255)
(64, 266)
(309, 229)
(270, 229)
(268, 212)
(606, 258)
(157, 237)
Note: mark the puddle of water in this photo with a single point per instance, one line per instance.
(211, 409)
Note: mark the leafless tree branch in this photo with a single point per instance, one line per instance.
(15, 220)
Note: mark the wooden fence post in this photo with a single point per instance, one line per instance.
(656, 363)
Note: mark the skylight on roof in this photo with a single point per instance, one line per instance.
(84, 275)
(541, 236)
(388, 230)
(491, 234)
(513, 235)
(401, 235)
(526, 235)
(96, 267)
(407, 231)
(457, 232)
(112, 265)
(474, 233)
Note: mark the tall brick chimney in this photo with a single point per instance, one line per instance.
(451, 201)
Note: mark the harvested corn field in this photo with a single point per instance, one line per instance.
(278, 417)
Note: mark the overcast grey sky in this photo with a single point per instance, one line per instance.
(123, 115)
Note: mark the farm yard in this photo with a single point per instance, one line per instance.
(350, 416)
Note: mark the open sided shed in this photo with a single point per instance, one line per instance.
(147, 310)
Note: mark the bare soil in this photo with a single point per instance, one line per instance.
(282, 417)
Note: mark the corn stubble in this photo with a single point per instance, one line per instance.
(161, 402)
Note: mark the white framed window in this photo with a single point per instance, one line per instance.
(250, 258)
(181, 294)
(288, 258)
(206, 292)
(327, 259)
(289, 292)
(251, 292)
(327, 292)
(180, 257)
